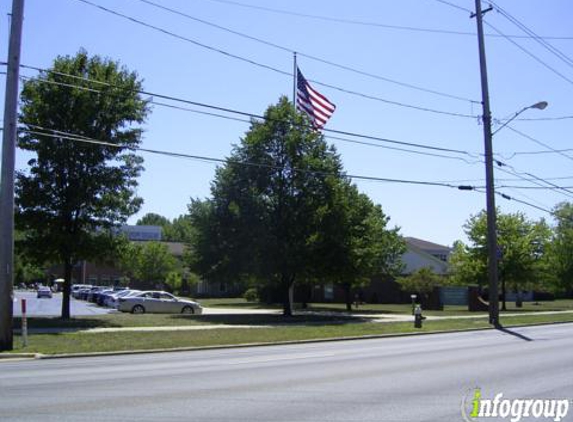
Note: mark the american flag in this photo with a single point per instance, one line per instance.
(312, 102)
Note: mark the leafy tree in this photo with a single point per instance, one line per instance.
(467, 266)
(522, 244)
(560, 256)
(358, 244)
(270, 205)
(178, 230)
(74, 193)
(152, 219)
(422, 282)
(154, 262)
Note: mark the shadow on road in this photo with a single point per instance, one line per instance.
(514, 333)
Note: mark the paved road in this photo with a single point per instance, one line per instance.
(53, 306)
(401, 379)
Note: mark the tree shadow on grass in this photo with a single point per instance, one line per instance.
(80, 323)
(272, 319)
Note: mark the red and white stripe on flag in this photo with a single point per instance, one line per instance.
(313, 103)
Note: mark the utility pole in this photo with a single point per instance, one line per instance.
(490, 189)
(7, 178)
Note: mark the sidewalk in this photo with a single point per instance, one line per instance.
(377, 318)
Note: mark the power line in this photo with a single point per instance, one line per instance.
(538, 142)
(455, 6)
(268, 67)
(370, 23)
(308, 56)
(533, 56)
(242, 113)
(510, 198)
(534, 179)
(553, 50)
(63, 74)
(82, 139)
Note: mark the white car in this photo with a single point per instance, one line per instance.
(157, 302)
(44, 292)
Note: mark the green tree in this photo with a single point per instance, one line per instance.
(560, 256)
(180, 230)
(422, 282)
(522, 247)
(152, 219)
(467, 265)
(154, 262)
(358, 244)
(269, 206)
(74, 193)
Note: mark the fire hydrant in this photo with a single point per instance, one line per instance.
(418, 318)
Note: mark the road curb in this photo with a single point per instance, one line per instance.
(261, 344)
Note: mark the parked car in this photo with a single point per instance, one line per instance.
(102, 295)
(77, 287)
(44, 292)
(157, 302)
(112, 301)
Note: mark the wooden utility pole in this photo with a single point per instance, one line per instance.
(490, 189)
(7, 178)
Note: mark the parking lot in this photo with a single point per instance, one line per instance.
(53, 307)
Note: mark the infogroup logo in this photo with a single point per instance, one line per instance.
(475, 408)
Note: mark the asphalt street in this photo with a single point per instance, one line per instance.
(422, 378)
(53, 307)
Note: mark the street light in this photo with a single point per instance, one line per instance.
(541, 105)
(491, 212)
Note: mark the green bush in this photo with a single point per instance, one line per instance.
(251, 295)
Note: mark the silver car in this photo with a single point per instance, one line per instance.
(44, 292)
(157, 302)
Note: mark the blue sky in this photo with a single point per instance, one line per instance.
(361, 34)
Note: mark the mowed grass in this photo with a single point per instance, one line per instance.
(82, 342)
(449, 310)
(367, 308)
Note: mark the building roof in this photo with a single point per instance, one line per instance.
(425, 245)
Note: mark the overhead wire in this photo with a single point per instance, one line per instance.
(246, 114)
(83, 139)
(552, 49)
(306, 55)
(511, 40)
(279, 71)
(534, 179)
(530, 54)
(370, 23)
(538, 142)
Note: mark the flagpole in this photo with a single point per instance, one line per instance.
(294, 80)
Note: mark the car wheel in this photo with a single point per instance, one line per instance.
(138, 309)
(188, 310)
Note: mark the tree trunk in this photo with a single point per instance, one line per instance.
(519, 299)
(288, 285)
(68, 267)
(503, 305)
(348, 296)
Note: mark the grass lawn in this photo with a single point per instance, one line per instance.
(556, 305)
(305, 329)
